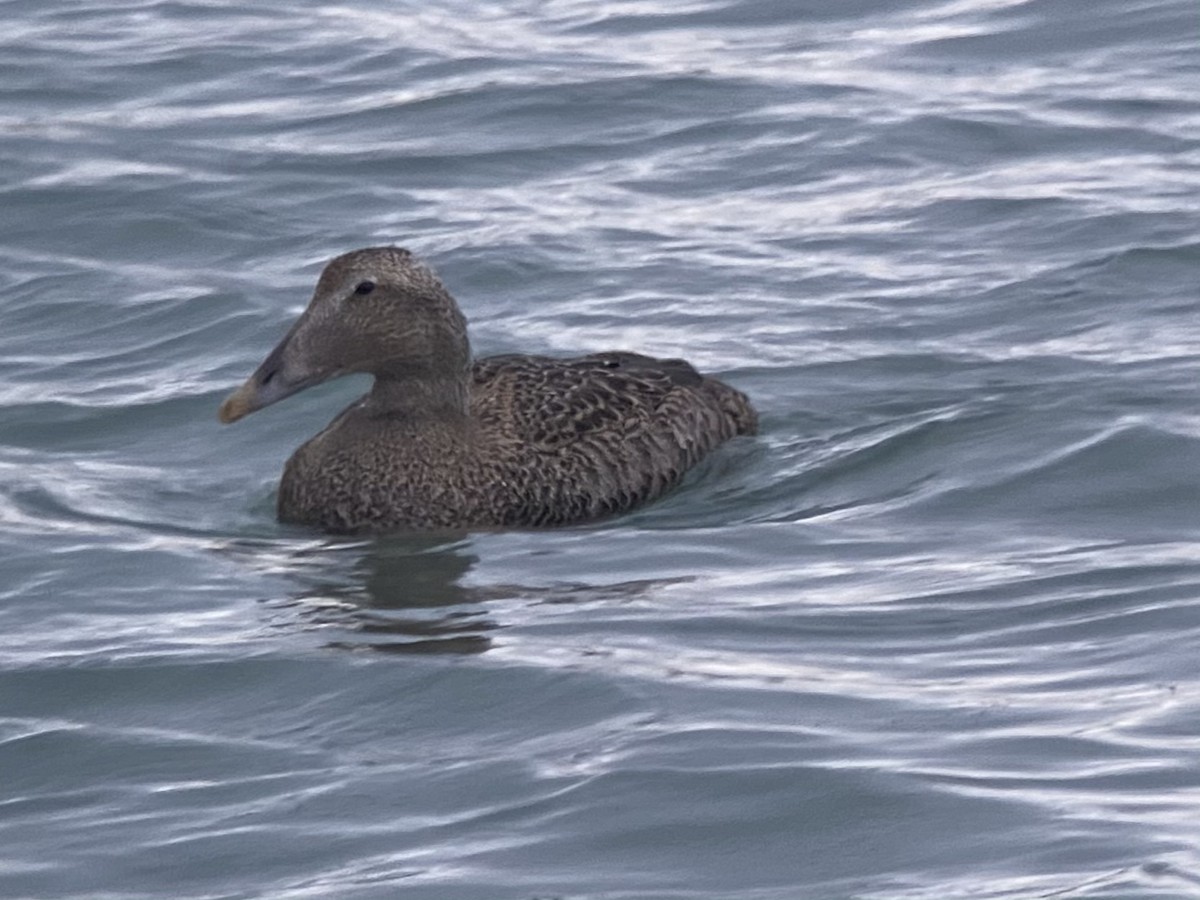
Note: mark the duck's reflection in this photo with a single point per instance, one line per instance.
(403, 594)
(394, 595)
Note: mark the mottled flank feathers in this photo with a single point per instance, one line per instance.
(442, 442)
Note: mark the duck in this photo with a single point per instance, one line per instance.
(446, 442)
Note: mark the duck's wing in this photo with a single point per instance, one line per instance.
(551, 401)
(608, 430)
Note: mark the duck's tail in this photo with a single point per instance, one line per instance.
(734, 405)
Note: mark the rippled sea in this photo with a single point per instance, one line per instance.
(933, 634)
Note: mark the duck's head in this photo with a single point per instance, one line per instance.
(377, 310)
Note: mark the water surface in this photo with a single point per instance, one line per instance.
(931, 635)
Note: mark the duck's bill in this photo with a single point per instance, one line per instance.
(250, 397)
(254, 395)
(271, 382)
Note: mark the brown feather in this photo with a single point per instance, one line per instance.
(538, 441)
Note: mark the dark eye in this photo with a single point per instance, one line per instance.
(365, 287)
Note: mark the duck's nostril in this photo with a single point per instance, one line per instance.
(269, 377)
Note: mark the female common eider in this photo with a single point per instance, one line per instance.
(441, 442)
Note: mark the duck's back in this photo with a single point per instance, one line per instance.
(573, 439)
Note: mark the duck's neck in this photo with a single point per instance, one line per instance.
(422, 396)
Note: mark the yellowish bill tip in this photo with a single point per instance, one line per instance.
(236, 405)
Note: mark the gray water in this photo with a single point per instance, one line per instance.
(932, 634)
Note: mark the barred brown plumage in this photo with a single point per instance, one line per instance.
(441, 442)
